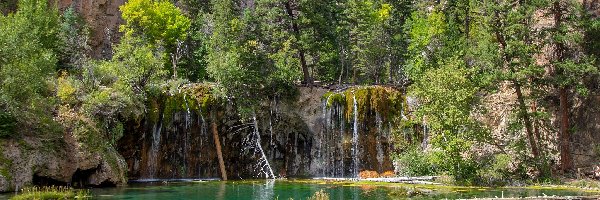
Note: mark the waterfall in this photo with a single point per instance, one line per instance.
(188, 116)
(153, 160)
(263, 160)
(203, 134)
(378, 139)
(355, 159)
(342, 140)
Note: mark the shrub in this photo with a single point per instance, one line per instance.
(320, 195)
(368, 174)
(388, 174)
(414, 162)
(7, 124)
(497, 172)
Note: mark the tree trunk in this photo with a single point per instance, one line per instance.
(565, 154)
(307, 79)
(527, 120)
(564, 136)
(219, 153)
(524, 114)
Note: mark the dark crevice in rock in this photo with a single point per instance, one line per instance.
(81, 177)
(46, 181)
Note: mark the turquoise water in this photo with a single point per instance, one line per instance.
(302, 189)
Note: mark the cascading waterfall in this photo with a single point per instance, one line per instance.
(329, 142)
(263, 162)
(342, 140)
(153, 158)
(355, 159)
(188, 116)
(378, 139)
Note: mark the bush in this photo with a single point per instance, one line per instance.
(388, 174)
(320, 195)
(497, 172)
(368, 174)
(414, 162)
(7, 124)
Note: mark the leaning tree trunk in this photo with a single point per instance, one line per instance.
(219, 152)
(527, 120)
(524, 114)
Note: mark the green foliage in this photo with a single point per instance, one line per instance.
(28, 43)
(319, 195)
(414, 162)
(58, 193)
(158, 21)
(498, 172)
(239, 62)
(7, 124)
(74, 38)
(122, 83)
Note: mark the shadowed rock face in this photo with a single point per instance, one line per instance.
(65, 161)
(104, 18)
(301, 137)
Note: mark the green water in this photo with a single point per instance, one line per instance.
(302, 189)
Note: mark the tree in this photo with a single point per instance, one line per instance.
(158, 22)
(368, 39)
(569, 64)
(512, 25)
(28, 46)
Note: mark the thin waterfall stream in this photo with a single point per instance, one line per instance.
(355, 159)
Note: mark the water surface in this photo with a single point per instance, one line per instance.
(302, 189)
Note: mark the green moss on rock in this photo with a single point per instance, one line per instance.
(388, 102)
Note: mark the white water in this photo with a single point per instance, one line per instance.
(263, 162)
(203, 134)
(342, 140)
(153, 160)
(378, 139)
(188, 116)
(355, 159)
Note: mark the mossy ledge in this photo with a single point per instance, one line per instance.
(198, 98)
(388, 102)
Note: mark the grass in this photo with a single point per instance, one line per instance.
(58, 193)
(320, 195)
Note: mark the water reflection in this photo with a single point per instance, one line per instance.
(271, 189)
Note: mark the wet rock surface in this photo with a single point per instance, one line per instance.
(303, 137)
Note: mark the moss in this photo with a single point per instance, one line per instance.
(388, 102)
(333, 98)
(5, 164)
(198, 98)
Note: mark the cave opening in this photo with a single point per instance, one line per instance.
(39, 180)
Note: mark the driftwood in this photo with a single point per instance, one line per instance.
(219, 153)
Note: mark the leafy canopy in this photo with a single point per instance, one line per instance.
(158, 21)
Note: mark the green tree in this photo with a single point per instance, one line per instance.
(28, 46)
(159, 22)
(239, 61)
(512, 23)
(569, 64)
